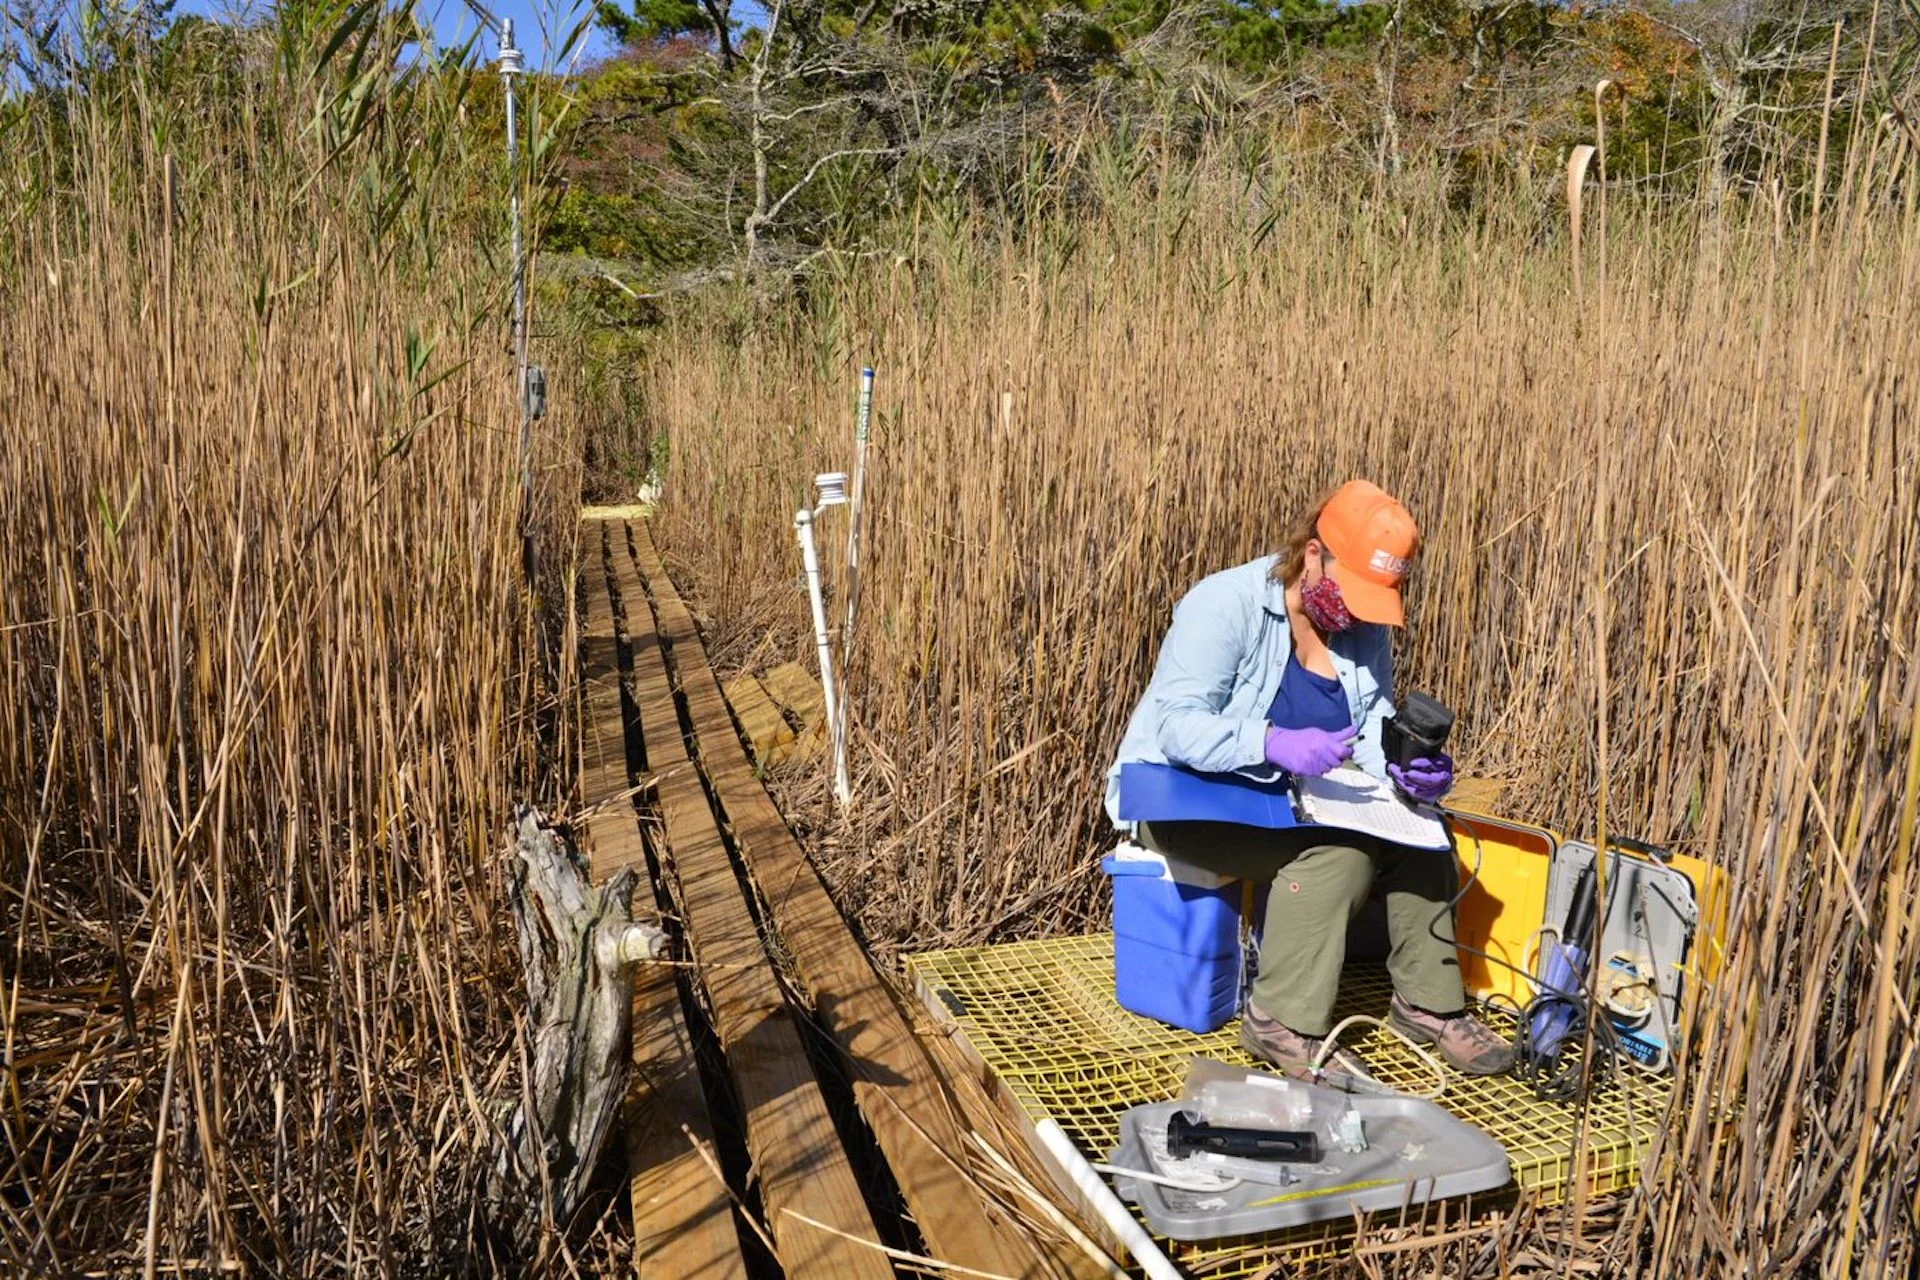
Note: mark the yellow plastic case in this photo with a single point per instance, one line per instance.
(1505, 903)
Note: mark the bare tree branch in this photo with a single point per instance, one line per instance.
(813, 172)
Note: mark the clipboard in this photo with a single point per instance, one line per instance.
(1170, 793)
(1345, 800)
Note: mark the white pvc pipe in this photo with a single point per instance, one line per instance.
(631, 945)
(862, 421)
(1099, 1197)
(810, 558)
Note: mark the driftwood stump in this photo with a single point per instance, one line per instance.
(576, 941)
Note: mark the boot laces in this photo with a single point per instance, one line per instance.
(1476, 1032)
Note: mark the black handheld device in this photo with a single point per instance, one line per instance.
(1420, 730)
(1185, 1135)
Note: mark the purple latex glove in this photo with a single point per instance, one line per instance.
(1424, 779)
(1309, 751)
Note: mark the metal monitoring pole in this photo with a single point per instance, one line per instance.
(511, 67)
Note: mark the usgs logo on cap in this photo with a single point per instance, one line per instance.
(1388, 563)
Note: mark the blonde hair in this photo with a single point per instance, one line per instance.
(1293, 552)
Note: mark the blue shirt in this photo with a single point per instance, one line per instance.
(1219, 671)
(1309, 700)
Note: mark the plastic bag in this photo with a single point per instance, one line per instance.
(1224, 1094)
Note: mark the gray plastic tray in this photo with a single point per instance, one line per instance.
(1452, 1159)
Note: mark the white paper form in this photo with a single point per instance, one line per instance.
(1354, 800)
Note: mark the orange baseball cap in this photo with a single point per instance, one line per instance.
(1373, 541)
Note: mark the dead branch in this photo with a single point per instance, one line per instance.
(576, 940)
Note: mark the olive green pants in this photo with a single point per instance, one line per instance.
(1317, 890)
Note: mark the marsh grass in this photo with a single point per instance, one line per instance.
(1673, 529)
(274, 678)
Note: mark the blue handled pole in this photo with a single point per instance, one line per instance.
(1563, 975)
(1563, 968)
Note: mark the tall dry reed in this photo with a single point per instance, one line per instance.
(1673, 525)
(274, 676)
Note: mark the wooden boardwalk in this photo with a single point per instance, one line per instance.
(683, 1215)
(668, 759)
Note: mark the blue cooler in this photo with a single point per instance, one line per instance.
(1176, 939)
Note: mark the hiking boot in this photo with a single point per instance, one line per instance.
(1469, 1045)
(1273, 1041)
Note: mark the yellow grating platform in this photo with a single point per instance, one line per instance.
(1043, 1017)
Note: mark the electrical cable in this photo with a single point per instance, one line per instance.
(1551, 1084)
(1552, 1074)
(1529, 954)
(1555, 1077)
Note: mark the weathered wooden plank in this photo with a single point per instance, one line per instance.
(802, 1167)
(618, 511)
(612, 834)
(794, 689)
(906, 1104)
(766, 729)
(603, 746)
(683, 1222)
(798, 693)
(683, 1218)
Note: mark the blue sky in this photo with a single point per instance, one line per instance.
(539, 28)
(538, 25)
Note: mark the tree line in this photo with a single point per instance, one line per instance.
(727, 140)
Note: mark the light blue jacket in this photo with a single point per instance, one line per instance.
(1219, 668)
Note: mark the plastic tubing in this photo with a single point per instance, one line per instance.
(1099, 1197)
(1333, 1038)
(810, 558)
(1162, 1180)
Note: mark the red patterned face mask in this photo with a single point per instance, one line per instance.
(1324, 606)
